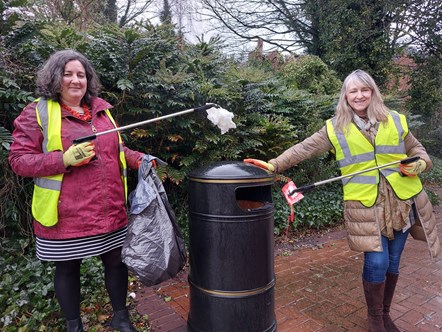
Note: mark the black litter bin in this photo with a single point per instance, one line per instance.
(231, 273)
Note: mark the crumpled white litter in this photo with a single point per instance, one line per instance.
(221, 118)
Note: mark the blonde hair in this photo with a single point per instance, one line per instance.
(377, 111)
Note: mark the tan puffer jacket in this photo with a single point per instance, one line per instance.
(362, 223)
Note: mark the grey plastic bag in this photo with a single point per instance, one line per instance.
(154, 249)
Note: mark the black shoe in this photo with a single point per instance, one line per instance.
(120, 321)
(74, 325)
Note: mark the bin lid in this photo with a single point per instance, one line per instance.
(231, 171)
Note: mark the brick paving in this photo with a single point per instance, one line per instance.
(319, 288)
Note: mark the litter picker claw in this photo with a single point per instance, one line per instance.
(142, 123)
(313, 185)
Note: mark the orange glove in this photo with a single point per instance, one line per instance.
(260, 163)
(413, 169)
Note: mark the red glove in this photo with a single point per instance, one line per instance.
(260, 163)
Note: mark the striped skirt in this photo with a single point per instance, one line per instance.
(69, 249)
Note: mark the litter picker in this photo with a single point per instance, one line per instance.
(142, 123)
(313, 185)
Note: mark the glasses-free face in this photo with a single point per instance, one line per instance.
(74, 83)
(358, 97)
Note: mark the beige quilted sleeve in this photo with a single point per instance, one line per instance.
(312, 146)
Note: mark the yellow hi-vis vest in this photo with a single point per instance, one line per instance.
(47, 189)
(355, 153)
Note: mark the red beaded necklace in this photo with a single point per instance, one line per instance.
(86, 116)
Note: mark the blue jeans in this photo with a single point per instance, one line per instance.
(377, 264)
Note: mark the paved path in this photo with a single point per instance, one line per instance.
(319, 289)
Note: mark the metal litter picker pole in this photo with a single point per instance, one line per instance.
(138, 124)
(311, 186)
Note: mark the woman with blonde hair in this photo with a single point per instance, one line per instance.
(376, 110)
(382, 206)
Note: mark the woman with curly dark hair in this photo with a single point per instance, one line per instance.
(80, 190)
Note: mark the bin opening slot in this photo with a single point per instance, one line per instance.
(250, 198)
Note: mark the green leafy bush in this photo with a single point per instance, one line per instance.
(320, 208)
(310, 73)
(15, 193)
(434, 176)
(27, 299)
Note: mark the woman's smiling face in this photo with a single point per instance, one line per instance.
(74, 83)
(358, 97)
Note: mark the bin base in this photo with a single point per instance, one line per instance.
(211, 311)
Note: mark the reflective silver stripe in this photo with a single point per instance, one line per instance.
(48, 183)
(361, 179)
(349, 159)
(380, 149)
(368, 156)
(388, 171)
(344, 145)
(42, 109)
(123, 169)
(391, 149)
(398, 123)
(394, 149)
(342, 142)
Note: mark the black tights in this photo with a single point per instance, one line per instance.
(67, 283)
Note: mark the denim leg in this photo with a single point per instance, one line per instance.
(395, 249)
(376, 264)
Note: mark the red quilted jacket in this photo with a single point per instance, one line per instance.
(92, 196)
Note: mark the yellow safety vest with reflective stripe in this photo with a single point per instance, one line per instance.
(123, 166)
(47, 189)
(355, 153)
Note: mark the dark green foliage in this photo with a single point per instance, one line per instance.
(15, 203)
(166, 13)
(433, 142)
(146, 74)
(320, 208)
(27, 298)
(426, 91)
(435, 175)
(426, 101)
(12, 99)
(15, 192)
(433, 179)
(311, 74)
(357, 34)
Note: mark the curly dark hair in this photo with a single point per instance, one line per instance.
(50, 76)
